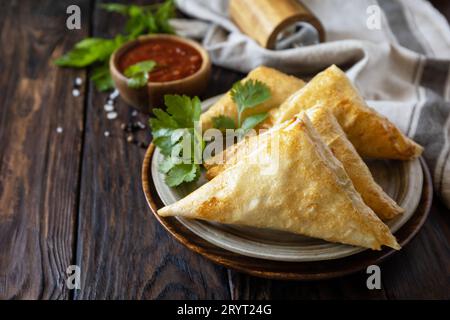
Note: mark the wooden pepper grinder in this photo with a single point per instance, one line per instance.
(264, 20)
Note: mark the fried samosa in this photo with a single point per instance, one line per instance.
(281, 87)
(334, 137)
(373, 135)
(309, 193)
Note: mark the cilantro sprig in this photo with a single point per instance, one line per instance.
(96, 52)
(246, 95)
(175, 130)
(172, 131)
(137, 73)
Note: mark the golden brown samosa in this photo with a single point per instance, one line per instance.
(309, 194)
(334, 137)
(372, 134)
(281, 87)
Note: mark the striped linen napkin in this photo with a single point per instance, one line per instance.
(400, 66)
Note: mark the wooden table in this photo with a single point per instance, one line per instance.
(75, 197)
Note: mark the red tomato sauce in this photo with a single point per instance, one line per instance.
(175, 60)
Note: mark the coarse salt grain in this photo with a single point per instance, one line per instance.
(111, 115)
(106, 133)
(75, 92)
(114, 94)
(140, 125)
(78, 81)
(108, 107)
(59, 130)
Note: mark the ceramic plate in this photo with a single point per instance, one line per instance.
(402, 180)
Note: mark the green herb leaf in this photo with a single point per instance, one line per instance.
(162, 16)
(252, 121)
(102, 77)
(166, 165)
(115, 7)
(138, 73)
(181, 173)
(138, 81)
(184, 110)
(141, 67)
(223, 122)
(169, 129)
(89, 51)
(248, 95)
(141, 20)
(136, 24)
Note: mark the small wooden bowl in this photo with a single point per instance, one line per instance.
(152, 95)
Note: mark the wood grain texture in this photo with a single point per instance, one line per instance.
(38, 167)
(422, 269)
(122, 251)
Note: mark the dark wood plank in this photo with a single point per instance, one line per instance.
(122, 250)
(349, 287)
(39, 168)
(422, 269)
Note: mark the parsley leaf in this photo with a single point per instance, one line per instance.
(162, 16)
(115, 7)
(170, 128)
(252, 121)
(102, 78)
(223, 122)
(96, 51)
(248, 95)
(181, 173)
(89, 51)
(184, 110)
(138, 73)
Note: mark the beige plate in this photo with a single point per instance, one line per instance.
(402, 180)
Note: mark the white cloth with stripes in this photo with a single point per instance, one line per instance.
(401, 69)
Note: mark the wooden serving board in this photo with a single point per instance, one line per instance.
(279, 269)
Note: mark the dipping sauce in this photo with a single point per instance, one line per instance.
(174, 59)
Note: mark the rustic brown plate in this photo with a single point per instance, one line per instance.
(280, 269)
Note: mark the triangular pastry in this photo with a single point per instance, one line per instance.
(334, 137)
(309, 194)
(281, 87)
(372, 134)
